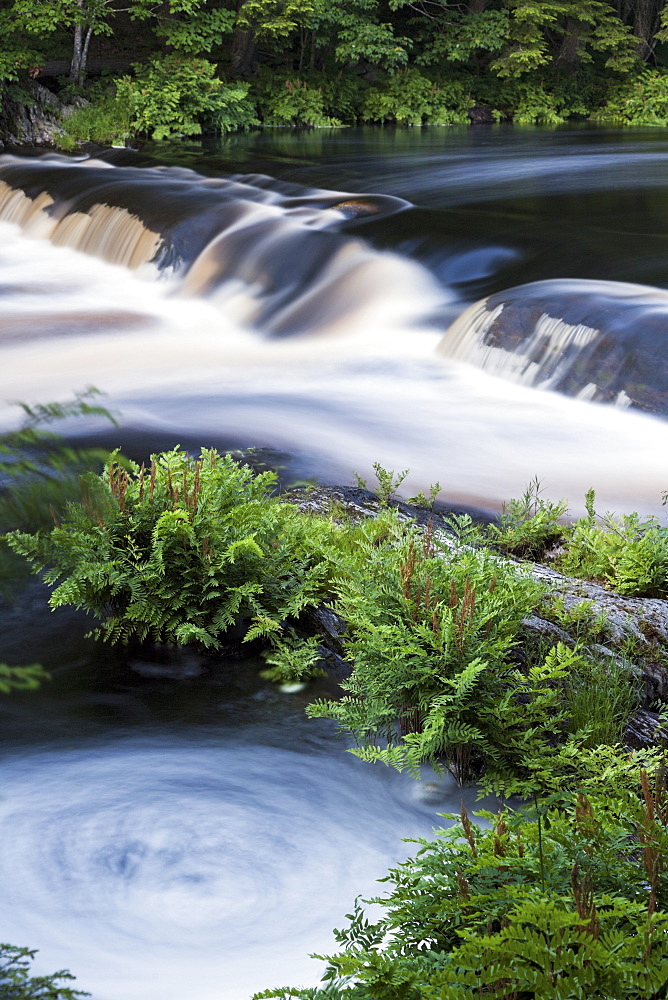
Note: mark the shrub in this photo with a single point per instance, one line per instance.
(178, 94)
(180, 552)
(294, 101)
(639, 100)
(408, 98)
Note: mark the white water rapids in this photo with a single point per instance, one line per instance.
(358, 380)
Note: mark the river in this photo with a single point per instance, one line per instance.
(184, 831)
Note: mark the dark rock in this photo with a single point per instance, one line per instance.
(598, 340)
(481, 114)
(37, 123)
(643, 730)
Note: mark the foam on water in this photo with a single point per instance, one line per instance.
(374, 389)
(202, 868)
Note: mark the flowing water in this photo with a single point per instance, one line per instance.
(182, 830)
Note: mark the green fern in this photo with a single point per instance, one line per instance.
(180, 552)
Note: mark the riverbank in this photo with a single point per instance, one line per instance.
(541, 869)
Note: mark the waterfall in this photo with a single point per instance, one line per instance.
(244, 310)
(595, 340)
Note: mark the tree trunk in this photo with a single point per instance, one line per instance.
(82, 37)
(244, 47)
(645, 23)
(569, 53)
(77, 55)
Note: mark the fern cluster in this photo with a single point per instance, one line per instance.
(570, 903)
(39, 473)
(627, 553)
(438, 671)
(181, 551)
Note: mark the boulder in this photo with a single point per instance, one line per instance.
(598, 340)
(31, 124)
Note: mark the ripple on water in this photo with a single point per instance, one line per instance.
(211, 868)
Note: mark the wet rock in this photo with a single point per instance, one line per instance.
(35, 124)
(480, 114)
(597, 340)
(635, 628)
(643, 730)
(353, 208)
(324, 622)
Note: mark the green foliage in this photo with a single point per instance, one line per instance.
(590, 25)
(430, 633)
(16, 983)
(276, 19)
(420, 500)
(387, 482)
(180, 552)
(293, 659)
(639, 100)
(201, 32)
(544, 100)
(26, 678)
(579, 620)
(530, 525)
(39, 474)
(566, 903)
(627, 553)
(360, 39)
(294, 101)
(106, 122)
(600, 695)
(15, 55)
(41, 16)
(178, 94)
(409, 98)
(464, 36)
(321, 64)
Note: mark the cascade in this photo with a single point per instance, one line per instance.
(199, 303)
(598, 340)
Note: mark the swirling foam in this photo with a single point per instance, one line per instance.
(167, 871)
